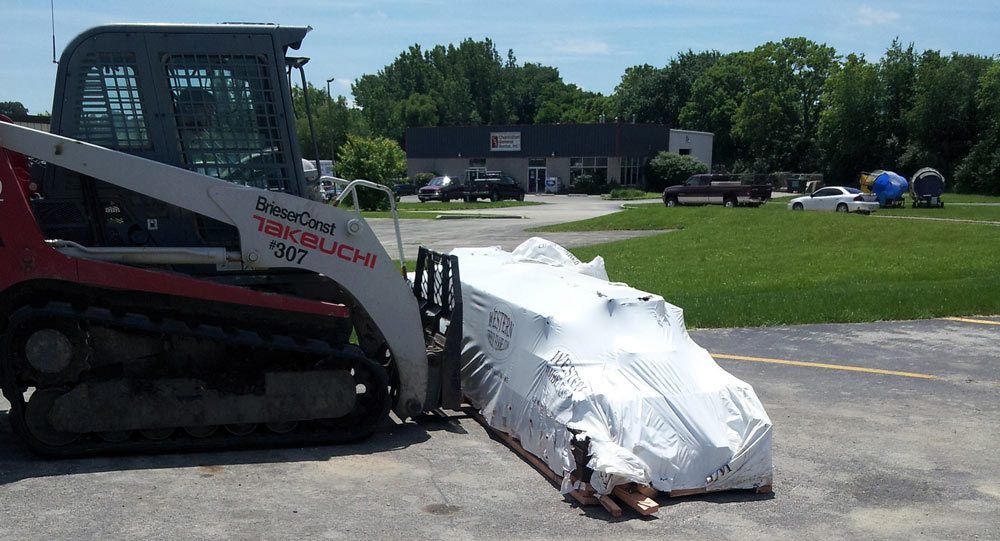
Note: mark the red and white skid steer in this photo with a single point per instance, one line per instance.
(164, 282)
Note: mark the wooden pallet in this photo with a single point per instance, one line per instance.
(637, 497)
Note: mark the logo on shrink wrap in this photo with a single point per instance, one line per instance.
(500, 330)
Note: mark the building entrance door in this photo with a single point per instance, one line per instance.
(536, 179)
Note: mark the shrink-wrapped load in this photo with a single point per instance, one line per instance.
(557, 356)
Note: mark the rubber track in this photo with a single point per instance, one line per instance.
(308, 432)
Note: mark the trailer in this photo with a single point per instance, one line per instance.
(926, 188)
(887, 186)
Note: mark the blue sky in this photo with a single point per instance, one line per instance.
(591, 42)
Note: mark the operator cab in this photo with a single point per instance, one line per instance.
(176, 94)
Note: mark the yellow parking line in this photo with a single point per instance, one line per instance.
(824, 365)
(967, 320)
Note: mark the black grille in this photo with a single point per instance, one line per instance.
(227, 118)
(109, 110)
(58, 213)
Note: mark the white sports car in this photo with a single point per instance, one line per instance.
(835, 198)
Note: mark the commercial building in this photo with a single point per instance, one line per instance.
(611, 152)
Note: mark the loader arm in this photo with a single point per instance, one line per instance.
(276, 230)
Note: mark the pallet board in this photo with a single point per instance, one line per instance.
(637, 497)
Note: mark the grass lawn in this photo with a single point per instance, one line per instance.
(769, 266)
(969, 198)
(984, 213)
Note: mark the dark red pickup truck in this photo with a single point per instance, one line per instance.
(716, 189)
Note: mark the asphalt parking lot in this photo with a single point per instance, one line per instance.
(882, 430)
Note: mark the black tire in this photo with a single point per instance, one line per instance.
(445, 199)
(729, 202)
(494, 196)
(520, 196)
(798, 206)
(671, 202)
(841, 207)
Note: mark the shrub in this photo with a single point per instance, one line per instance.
(979, 172)
(584, 185)
(421, 179)
(372, 158)
(669, 169)
(605, 189)
(627, 193)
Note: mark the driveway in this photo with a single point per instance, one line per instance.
(443, 235)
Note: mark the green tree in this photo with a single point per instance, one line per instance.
(526, 88)
(562, 103)
(639, 95)
(419, 110)
(980, 170)
(469, 84)
(373, 93)
(13, 108)
(897, 73)
(377, 159)
(668, 169)
(942, 124)
(778, 119)
(850, 127)
(715, 97)
(332, 119)
(657, 95)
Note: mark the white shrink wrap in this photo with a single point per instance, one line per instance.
(556, 355)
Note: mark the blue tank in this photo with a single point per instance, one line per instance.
(889, 188)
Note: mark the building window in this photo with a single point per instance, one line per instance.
(632, 171)
(588, 168)
(684, 151)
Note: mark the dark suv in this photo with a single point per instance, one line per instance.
(441, 189)
(496, 187)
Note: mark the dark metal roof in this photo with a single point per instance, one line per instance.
(612, 139)
(285, 36)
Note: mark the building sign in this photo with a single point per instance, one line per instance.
(505, 141)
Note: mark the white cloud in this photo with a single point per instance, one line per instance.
(869, 16)
(581, 47)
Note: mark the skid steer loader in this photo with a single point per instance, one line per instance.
(166, 282)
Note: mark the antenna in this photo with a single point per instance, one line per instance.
(52, 7)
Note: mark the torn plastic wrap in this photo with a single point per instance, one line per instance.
(555, 354)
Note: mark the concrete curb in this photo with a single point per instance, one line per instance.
(478, 217)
